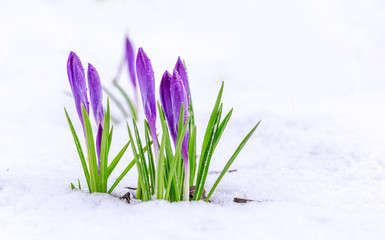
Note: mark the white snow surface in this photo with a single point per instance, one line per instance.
(312, 71)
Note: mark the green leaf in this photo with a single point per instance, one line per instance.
(116, 159)
(205, 162)
(179, 172)
(80, 151)
(221, 128)
(192, 153)
(72, 186)
(91, 152)
(150, 157)
(207, 137)
(104, 148)
(141, 172)
(179, 166)
(207, 156)
(116, 101)
(178, 150)
(160, 170)
(126, 170)
(217, 133)
(139, 194)
(231, 160)
(128, 100)
(174, 191)
(145, 187)
(80, 187)
(110, 138)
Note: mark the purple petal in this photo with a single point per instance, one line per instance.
(165, 99)
(96, 94)
(146, 82)
(130, 57)
(99, 143)
(77, 81)
(182, 73)
(178, 96)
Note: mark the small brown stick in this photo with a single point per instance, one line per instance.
(126, 197)
(242, 200)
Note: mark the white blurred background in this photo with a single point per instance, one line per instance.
(313, 71)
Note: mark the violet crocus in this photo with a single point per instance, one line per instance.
(178, 96)
(173, 94)
(130, 58)
(77, 81)
(96, 97)
(165, 99)
(146, 82)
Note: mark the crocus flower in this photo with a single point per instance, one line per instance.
(146, 82)
(165, 99)
(77, 81)
(96, 97)
(179, 66)
(172, 95)
(130, 57)
(178, 96)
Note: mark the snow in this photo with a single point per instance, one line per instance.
(313, 71)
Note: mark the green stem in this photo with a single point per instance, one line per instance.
(186, 185)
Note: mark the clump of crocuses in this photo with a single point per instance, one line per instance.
(167, 169)
(176, 176)
(97, 171)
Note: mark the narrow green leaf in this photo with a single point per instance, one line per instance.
(139, 194)
(207, 137)
(110, 138)
(126, 170)
(139, 166)
(72, 186)
(192, 153)
(116, 160)
(179, 166)
(128, 100)
(178, 150)
(91, 152)
(221, 128)
(174, 191)
(180, 172)
(231, 160)
(114, 119)
(104, 148)
(178, 156)
(181, 118)
(206, 157)
(80, 151)
(80, 187)
(116, 101)
(160, 170)
(150, 156)
(145, 187)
